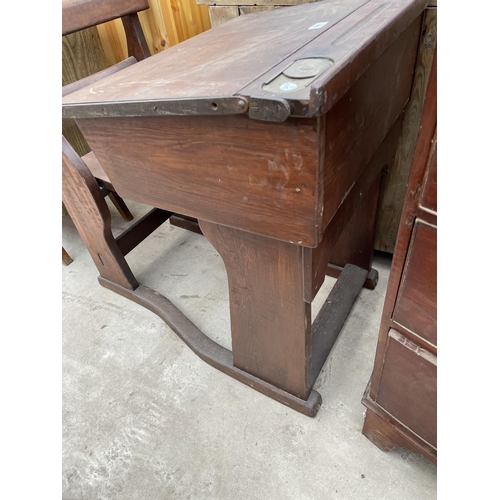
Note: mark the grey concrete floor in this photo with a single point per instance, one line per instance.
(145, 418)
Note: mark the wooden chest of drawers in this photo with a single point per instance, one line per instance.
(401, 398)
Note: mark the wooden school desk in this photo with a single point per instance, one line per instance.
(272, 130)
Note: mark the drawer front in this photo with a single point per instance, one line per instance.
(416, 305)
(408, 386)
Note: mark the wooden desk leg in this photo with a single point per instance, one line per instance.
(270, 321)
(356, 243)
(387, 433)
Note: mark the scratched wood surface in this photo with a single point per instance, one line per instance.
(255, 2)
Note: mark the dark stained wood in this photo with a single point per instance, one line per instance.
(90, 214)
(365, 115)
(208, 350)
(184, 222)
(108, 189)
(333, 314)
(84, 64)
(272, 336)
(82, 55)
(394, 184)
(82, 196)
(344, 42)
(379, 433)
(80, 14)
(418, 340)
(234, 50)
(120, 205)
(141, 229)
(401, 394)
(429, 197)
(136, 41)
(271, 190)
(322, 254)
(408, 387)
(270, 321)
(118, 202)
(236, 58)
(355, 245)
(251, 9)
(416, 305)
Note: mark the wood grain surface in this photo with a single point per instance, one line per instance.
(422, 156)
(90, 214)
(270, 189)
(220, 15)
(255, 2)
(82, 55)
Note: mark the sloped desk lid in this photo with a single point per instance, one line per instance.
(292, 61)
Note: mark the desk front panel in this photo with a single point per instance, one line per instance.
(257, 176)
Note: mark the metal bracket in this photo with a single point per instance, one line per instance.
(167, 107)
(270, 110)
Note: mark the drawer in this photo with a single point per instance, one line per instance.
(416, 304)
(408, 386)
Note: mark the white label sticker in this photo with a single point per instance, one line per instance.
(288, 86)
(317, 26)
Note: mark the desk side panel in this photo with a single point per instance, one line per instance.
(255, 176)
(357, 125)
